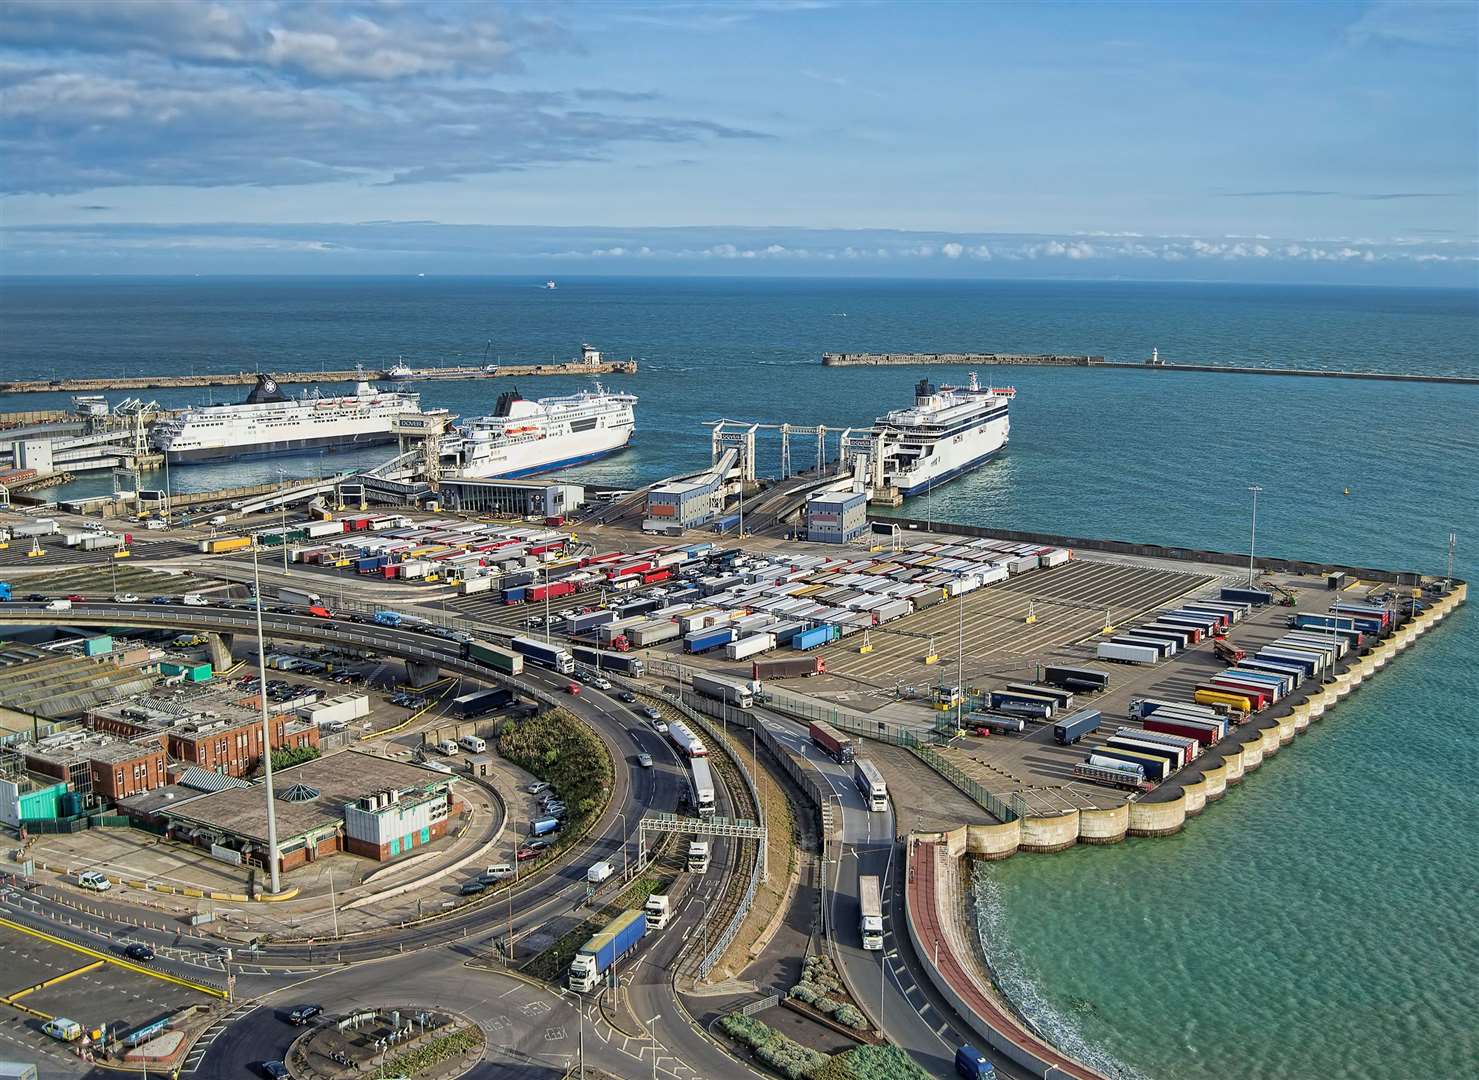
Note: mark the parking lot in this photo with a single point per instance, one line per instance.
(107, 580)
(89, 991)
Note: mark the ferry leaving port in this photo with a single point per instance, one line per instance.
(524, 437)
(948, 431)
(269, 422)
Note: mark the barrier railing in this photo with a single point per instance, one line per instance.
(895, 734)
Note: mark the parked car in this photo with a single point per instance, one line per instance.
(62, 1029)
(301, 1014)
(497, 872)
(525, 853)
(274, 1070)
(473, 887)
(537, 787)
(137, 950)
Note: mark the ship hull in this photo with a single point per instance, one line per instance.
(559, 457)
(930, 483)
(284, 446)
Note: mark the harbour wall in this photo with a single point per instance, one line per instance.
(1048, 360)
(249, 378)
(1156, 551)
(1166, 810)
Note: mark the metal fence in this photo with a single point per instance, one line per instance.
(727, 935)
(913, 738)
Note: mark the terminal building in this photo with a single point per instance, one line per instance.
(366, 805)
(225, 738)
(682, 504)
(836, 517)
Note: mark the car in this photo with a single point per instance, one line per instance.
(660, 727)
(556, 810)
(573, 689)
(473, 887)
(600, 682)
(36, 597)
(651, 713)
(524, 854)
(627, 696)
(125, 598)
(137, 950)
(155, 523)
(161, 600)
(62, 1029)
(644, 760)
(537, 787)
(537, 845)
(93, 881)
(77, 598)
(274, 1070)
(299, 1015)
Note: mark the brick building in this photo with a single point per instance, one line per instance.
(225, 739)
(101, 765)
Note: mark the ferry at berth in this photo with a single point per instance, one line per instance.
(269, 422)
(524, 437)
(948, 431)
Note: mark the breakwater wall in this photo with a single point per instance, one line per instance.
(249, 378)
(1052, 360)
(1166, 810)
(906, 359)
(1157, 551)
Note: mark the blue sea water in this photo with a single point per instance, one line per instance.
(1316, 922)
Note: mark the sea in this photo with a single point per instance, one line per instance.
(1318, 921)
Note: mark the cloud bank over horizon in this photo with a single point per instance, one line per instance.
(1321, 142)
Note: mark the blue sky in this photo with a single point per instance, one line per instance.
(1298, 142)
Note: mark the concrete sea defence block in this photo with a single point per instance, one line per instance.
(1196, 796)
(1104, 826)
(955, 841)
(993, 841)
(1252, 753)
(1215, 780)
(1300, 716)
(1232, 762)
(1286, 730)
(1050, 833)
(1271, 740)
(1158, 819)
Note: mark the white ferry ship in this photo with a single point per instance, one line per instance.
(948, 431)
(524, 437)
(270, 422)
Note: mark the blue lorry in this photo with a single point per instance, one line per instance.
(605, 948)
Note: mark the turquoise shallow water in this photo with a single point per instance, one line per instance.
(1314, 923)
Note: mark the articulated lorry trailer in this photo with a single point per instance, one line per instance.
(870, 912)
(731, 691)
(605, 948)
(545, 654)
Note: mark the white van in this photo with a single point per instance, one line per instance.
(94, 881)
(497, 872)
(448, 747)
(472, 744)
(59, 605)
(155, 523)
(194, 599)
(598, 873)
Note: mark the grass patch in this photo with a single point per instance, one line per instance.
(553, 963)
(433, 1053)
(566, 754)
(781, 1053)
(871, 1063)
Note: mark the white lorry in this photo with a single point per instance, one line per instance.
(870, 905)
(698, 857)
(659, 914)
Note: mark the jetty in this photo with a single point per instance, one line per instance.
(1153, 364)
(590, 363)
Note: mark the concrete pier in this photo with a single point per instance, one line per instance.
(979, 359)
(249, 378)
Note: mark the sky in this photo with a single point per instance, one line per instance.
(1319, 142)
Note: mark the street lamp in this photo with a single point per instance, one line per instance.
(266, 726)
(653, 1025)
(1253, 531)
(579, 1011)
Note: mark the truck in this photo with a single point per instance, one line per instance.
(544, 826)
(299, 597)
(1021, 705)
(1127, 654)
(658, 912)
(604, 660)
(796, 667)
(4, 591)
(499, 659)
(1075, 678)
(698, 856)
(1227, 652)
(59, 605)
(388, 618)
(814, 638)
(731, 691)
(480, 702)
(711, 637)
(545, 654)
(870, 912)
(598, 873)
(1072, 728)
(971, 1064)
(702, 786)
(870, 785)
(1120, 774)
(605, 948)
(745, 647)
(837, 745)
(995, 723)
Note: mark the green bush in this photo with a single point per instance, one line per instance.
(562, 751)
(803, 992)
(872, 1063)
(851, 1016)
(786, 1056)
(434, 1053)
(283, 759)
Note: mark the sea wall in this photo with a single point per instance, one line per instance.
(1167, 811)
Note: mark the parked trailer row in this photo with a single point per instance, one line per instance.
(1091, 680)
(1189, 744)
(1127, 654)
(1111, 772)
(1063, 697)
(996, 723)
(1155, 767)
(1174, 756)
(1072, 728)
